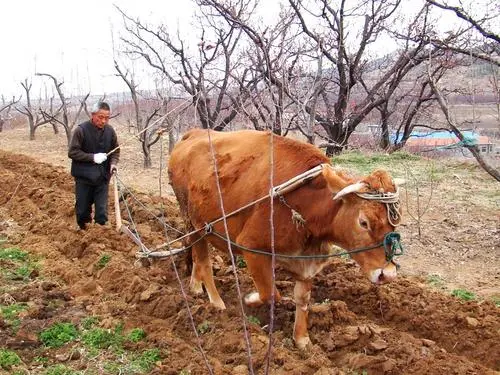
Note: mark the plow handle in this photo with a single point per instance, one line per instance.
(118, 215)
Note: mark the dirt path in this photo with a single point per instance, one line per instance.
(402, 328)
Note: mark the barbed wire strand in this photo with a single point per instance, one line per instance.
(179, 280)
(174, 267)
(229, 247)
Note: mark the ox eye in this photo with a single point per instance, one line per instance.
(363, 223)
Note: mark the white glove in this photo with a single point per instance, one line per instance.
(100, 157)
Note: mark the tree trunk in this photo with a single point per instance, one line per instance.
(171, 141)
(147, 153)
(495, 173)
(32, 128)
(332, 150)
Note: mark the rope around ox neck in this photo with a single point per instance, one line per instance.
(391, 201)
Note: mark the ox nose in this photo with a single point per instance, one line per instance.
(383, 275)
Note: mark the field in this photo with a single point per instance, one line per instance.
(123, 317)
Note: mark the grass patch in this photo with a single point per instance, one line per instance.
(463, 294)
(58, 334)
(253, 319)
(136, 335)
(240, 262)
(89, 322)
(11, 312)
(103, 261)
(8, 359)
(19, 266)
(496, 300)
(100, 338)
(145, 361)
(435, 281)
(203, 327)
(14, 254)
(60, 370)
(365, 163)
(25, 271)
(135, 363)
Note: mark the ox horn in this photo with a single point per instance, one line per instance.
(354, 188)
(399, 181)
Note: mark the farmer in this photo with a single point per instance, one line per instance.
(92, 164)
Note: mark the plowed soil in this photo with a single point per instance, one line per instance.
(406, 327)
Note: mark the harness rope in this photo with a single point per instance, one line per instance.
(391, 201)
(391, 242)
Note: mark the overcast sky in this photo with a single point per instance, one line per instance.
(70, 40)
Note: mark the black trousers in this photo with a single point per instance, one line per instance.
(88, 195)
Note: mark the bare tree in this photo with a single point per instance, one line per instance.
(475, 40)
(455, 128)
(5, 108)
(352, 88)
(494, 80)
(205, 73)
(400, 114)
(144, 116)
(63, 114)
(478, 25)
(34, 115)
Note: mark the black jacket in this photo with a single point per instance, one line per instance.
(86, 141)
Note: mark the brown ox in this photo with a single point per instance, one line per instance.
(243, 167)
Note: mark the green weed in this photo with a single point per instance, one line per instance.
(253, 319)
(25, 271)
(103, 261)
(435, 280)
(100, 338)
(11, 312)
(463, 294)
(496, 300)
(364, 163)
(135, 363)
(89, 322)
(42, 360)
(60, 370)
(203, 327)
(240, 262)
(58, 334)
(13, 253)
(145, 361)
(136, 335)
(8, 359)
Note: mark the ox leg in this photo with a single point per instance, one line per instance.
(202, 275)
(302, 296)
(260, 267)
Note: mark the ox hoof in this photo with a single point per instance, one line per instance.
(196, 287)
(253, 299)
(218, 304)
(303, 342)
